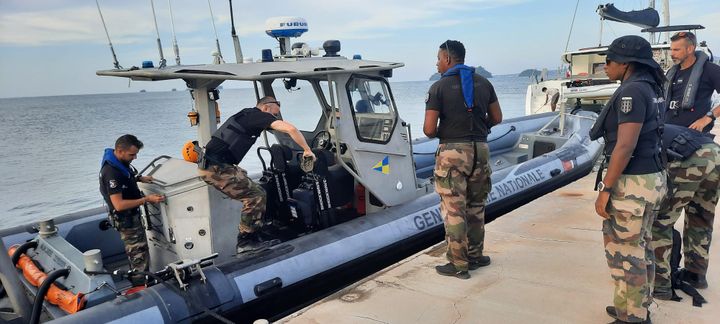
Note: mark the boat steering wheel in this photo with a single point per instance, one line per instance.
(321, 140)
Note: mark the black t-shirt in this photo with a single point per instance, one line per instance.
(445, 96)
(709, 82)
(635, 104)
(114, 181)
(253, 120)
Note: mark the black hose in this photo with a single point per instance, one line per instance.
(42, 291)
(22, 249)
(512, 129)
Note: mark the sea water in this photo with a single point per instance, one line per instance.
(51, 146)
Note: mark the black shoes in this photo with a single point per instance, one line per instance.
(450, 270)
(695, 280)
(610, 310)
(478, 263)
(247, 242)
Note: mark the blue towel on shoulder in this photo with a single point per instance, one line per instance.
(109, 157)
(466, 80)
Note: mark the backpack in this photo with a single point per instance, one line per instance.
(676, 274)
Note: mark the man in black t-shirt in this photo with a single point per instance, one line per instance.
(228, 147)
(118, 186)
(466, 106)
(692, 109)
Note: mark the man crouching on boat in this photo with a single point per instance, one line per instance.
(118, 186)
(467, 106)
(228, 147)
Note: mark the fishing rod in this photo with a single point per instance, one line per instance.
(175, 45)
(236, 41)
(112, 50)
(217, 42)
(162, 62)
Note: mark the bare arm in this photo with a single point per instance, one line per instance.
(294, 133)
(121, 204)
(494, 114)
(431, 122)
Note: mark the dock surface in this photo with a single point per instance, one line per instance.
(548, 266)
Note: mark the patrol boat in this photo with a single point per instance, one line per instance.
(585, 85)
(370, 192)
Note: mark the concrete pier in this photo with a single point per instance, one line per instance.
(548, 266)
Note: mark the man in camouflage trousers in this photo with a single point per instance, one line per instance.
(466, 106)
(696, 180)
(118, 186)
(234, 182)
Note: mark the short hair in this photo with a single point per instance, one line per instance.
(455, 49)
(266, 99)
(688, 36)
(127, 141)
(544, 89)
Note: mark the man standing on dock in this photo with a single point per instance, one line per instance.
(466, 105)
(694, 169)
(690, 85)
(118, 186)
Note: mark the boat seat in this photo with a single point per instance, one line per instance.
(363, 106)
(278, 181)
(326, 188)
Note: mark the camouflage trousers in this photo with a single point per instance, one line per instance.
(462, 179)
(696, 182)
(133, 236)
(233, 181)
(627, 235)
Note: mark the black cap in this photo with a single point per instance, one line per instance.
(631, 48)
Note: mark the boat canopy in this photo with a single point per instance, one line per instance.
(289, 68)
(645, 18)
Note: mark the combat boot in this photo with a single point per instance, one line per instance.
(613, 313)
(662, 294)
(247, 242)
(482, 261)
(450, 270)
(693, 279)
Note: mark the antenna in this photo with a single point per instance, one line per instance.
(236, 41)
(162, 62)
(175, 45)
(112, 50)
(219, 57)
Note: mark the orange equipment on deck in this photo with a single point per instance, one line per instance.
(64, 299)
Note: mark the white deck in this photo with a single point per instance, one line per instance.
(548, 267)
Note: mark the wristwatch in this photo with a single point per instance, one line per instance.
(602, 187)
(710, 114)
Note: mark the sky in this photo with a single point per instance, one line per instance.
(54, 47)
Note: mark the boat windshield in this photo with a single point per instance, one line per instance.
(301, 104)
(373, 108)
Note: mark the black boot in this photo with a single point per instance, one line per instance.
(450, 270)
(482, 261)
(696, 280)
(610, 310)
(247, 242)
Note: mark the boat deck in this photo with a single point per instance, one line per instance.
(548, 266)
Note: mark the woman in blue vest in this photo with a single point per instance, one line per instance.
(635, 182)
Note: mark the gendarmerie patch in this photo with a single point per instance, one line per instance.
(626, 105)
(113, 184)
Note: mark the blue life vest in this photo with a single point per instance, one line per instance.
(466, 81)
(109, 158)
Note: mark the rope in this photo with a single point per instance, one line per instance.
(115, 61)
(567, 44)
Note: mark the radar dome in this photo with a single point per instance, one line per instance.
(285, 26)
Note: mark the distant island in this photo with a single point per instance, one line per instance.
(479, 70)
(529, 73)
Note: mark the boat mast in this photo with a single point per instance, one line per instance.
(162, 62)
(666, 17)
(236, 41)
(175, 45)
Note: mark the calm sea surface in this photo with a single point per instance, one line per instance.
(52, 146)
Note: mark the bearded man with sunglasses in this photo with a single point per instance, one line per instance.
(228, 146)
(690, 85)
